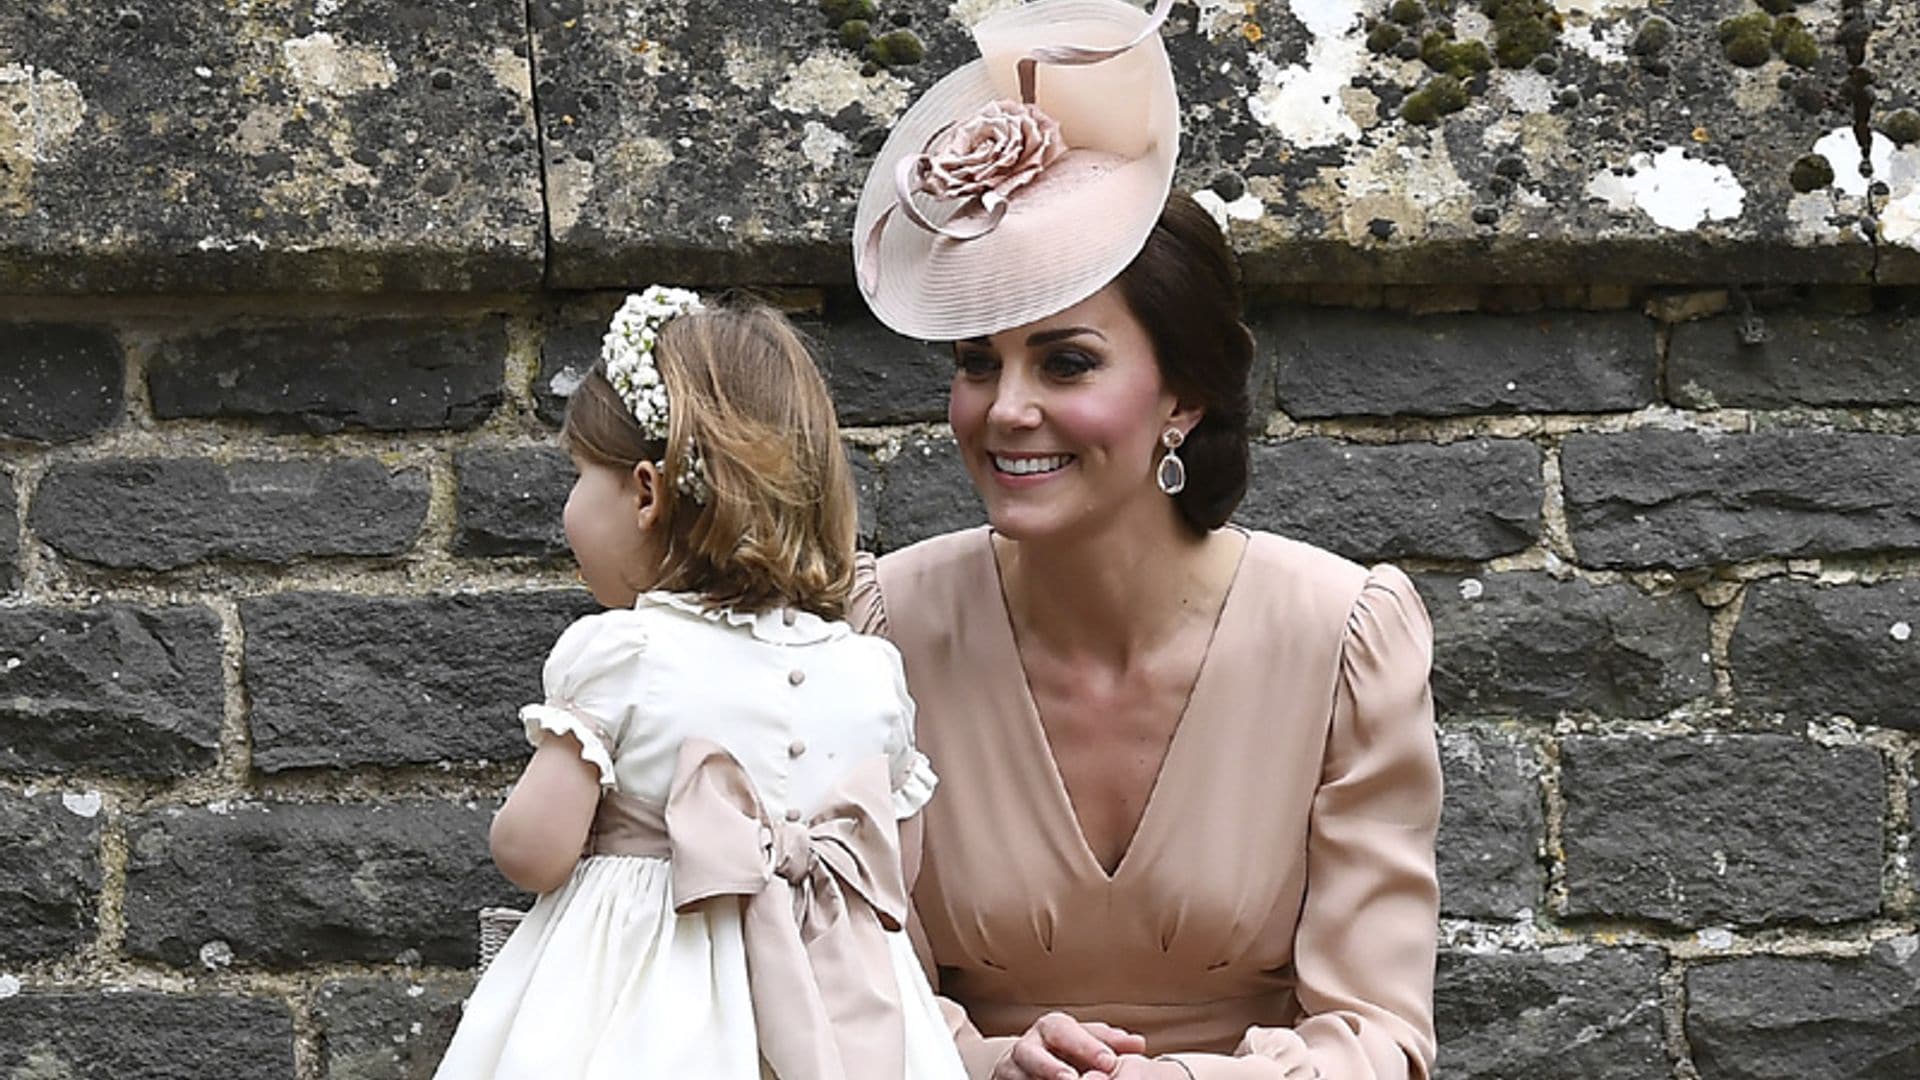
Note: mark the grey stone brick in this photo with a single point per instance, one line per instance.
(1491, 828)
(113, 688)
(287, 885)
(146, 1035)
(49, 876)
(385, 1029)
(380, 374)
(926, 492)
(9, 535)
(877, 376)
(60, 382)
(1568, 1013)
(1707, 830)
(1809, 358)
(1787, 1017)
(339, 681)
(1531, 644)
(165, 513)
(1683, 498)
(1372, 363)
(510, 501)
(568, 351)
(866, 491)
(1812, 652)
(1468, 500)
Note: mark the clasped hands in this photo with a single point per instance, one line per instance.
(1059, 1047)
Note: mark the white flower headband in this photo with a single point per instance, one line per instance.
(627, 351)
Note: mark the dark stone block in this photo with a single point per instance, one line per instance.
(165, 513)
(1491, 828)
(1811, 651)
(384, 1029)
(926, 492)
(568, 351)
(59, 382)
(49, 875)
(1570, 1013)
(339, 681)
(287, 885)
(1684, 499)
(146, 1035)
(112, 688)
(1701, 831)
(1809, 358)
(1330, 362)
(1467, 500)
(1531, 644)
(1787, 1017)
(877, 376)
(510, 501)
(324, 376)
(9, 535)
(866, 491)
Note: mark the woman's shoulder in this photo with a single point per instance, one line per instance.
(1298, 577)
(929, 575)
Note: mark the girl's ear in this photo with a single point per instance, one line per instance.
(645, 488)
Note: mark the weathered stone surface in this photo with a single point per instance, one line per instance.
(60, 382)
(1347, 363)
(340, 681)
(1473, 499)
(383, 374)
(113, 688)
(510, 501)
(1695, 831)
(146, 1035)
(165, 513)
(1530, 644)
(1810, 651)
(1568, 1013)
(9, 535)
(285, 885)
(926, 492)
(1491, 829)
(49, 874)
(273, 145)
(866, 491)
(1768, 1017)
(1809, 358)
(384, 1029)
(568, 352)
(1684, 498)
(877, 376)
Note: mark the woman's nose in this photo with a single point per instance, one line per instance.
(1015, 403)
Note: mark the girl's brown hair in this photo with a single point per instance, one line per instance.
(778, 525)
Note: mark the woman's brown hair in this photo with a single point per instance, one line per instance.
(777, 526)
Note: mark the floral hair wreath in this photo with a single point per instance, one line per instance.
(627, 351)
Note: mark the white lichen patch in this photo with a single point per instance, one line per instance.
(84, 804)
(1304, 103)
(1218, 18)
(259, 130)
(1472, 589)
(1605, 42)
(1904, 947)
(9, 987)
(750, 66)
(1901, 631)
(1676, 191)
(1590, 8)
(511, 72)
(569, 186)
(1525, 91)
(1898, 167)
(1715, 937)
(1409, 181)
(322, 65)
(40, 111)
(968, 13)
(1842, 151)
(822, 146)
(827, 82)
(1247, 207)
(215, 955)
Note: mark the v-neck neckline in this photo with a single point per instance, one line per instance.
(1036, 727)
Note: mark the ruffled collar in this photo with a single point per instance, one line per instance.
(780, 626)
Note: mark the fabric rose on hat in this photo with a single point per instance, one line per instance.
(999, 149)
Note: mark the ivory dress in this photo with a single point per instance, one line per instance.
(1276, 913)
(752, 768)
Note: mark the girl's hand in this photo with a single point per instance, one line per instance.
(1058, 1047)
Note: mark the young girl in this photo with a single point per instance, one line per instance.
(711, 811)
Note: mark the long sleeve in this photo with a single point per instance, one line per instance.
(1365, 946)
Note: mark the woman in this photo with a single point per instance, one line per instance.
(1189, 781)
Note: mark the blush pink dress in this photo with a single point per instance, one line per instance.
(1276, 913)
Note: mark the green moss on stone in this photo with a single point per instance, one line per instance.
(1752, 22)
(1522, 29)
(841, 11)
(897, 48)
(1902, 126)
(1443, 94)
(1811, 173)
(1460, 59)
(855, 33)
(1654, 37)
(1384, 36)
(1407, 12)
(1748, 39)
(1795, 43)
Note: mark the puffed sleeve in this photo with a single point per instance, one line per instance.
(866, 607)
(912, 774)
(589, 684)
(1365, 946)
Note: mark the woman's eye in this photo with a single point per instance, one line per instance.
(974, 364)
(1068, 363)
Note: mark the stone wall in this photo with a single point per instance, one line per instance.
(291, 293)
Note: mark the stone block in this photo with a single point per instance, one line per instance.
(9, 535)
(146, 1035)
(60, 382)
(322, 376)
(877, 376)
(1567, 1013)
(270, 146)
(1710, 830)
(166, 513)
(1810, 651)
(1532, 645)
(1491, 827)
(866, 492)
(926, 492)
(1474, 499)
(511, 500)
(286, 885)
(1685, 498)
(113, 688)
(1809, 358)
(1768, 1017)
(385, 1029)
(1352, 363)
(49, 874)
(340, 681)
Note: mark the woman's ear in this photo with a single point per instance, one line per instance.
(1186, 417)
(644, 482)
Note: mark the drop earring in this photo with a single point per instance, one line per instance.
(1171, 475)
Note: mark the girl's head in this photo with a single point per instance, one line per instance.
(770, 519)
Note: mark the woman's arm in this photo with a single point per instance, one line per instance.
(537, 836)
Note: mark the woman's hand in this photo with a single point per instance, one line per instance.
(1136, 1067)
(1058, 1047)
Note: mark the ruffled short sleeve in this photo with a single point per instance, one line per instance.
(590, 682)
(910, 771)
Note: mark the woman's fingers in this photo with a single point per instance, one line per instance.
(1119, 1040)
(1076, 1043)
(1058, 1047)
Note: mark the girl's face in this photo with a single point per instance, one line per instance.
(609, 518)
(1059, 421)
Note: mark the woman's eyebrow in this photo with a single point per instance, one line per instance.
(1045, 337)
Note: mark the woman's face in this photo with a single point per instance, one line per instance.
(1059, 421)
(604, 524)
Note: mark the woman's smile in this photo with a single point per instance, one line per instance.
(1027, 468)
